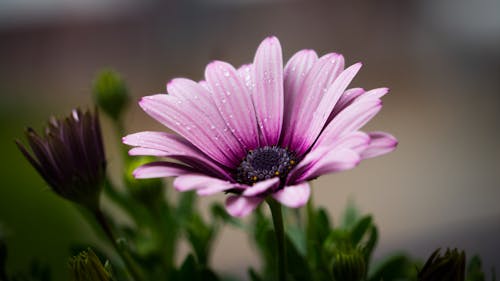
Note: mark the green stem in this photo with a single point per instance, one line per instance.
(127, 259)
(279, 230)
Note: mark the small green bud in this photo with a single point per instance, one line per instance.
(450, 267)
(349, 265)
(86, 266)
(144, 190)
(110, 93)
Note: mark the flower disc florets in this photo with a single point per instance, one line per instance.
(264, 163)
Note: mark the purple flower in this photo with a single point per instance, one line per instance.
(261, 130)
(70, 157)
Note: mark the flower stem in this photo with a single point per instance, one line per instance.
(280, 236)
(132, 268)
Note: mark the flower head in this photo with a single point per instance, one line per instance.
(70, 156)
(262, 129)
(450, 267)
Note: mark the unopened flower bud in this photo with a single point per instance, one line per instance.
(70, 157)
(349, 265)
(450, 267)
(110, 93)
(86, 266)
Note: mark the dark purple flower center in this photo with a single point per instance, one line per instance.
(264, 163)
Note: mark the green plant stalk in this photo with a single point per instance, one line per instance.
(279, 230)
(132, 268)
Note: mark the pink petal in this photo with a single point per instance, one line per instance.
(246, 73)
(381, 143)
(240, 206)
(294, 76)
(356, 95)
(348, 120)
(374, 94)
(203, 109)
(161, 170)
(322, 111)
(319, 78)
(334, 161)
(170, 145)
(204, 185)
(234, 102)
(268, 92)
(261, 187)
(356, 141)
(294, 196)
(347, 97)
(138, 151)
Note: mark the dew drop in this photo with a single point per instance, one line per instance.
(226, 73)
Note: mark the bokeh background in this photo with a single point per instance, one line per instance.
(441, 59)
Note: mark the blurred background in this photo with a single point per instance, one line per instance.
(440, 58)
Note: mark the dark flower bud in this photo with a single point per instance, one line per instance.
(70, 157)
(110, 93)
(86, 266)
(450, 267)
(349, 265)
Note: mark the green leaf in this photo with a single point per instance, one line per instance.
(200, 237)
(219, 213)
(474, 271)
(296, 262)
(189, 270)
(359, 229)
(351, 215)
(186, 206)
(370, 245)
(392, 268)
(297, 238)
(323, 225)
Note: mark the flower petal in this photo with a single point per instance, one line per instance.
(334, 161)
(261, 187)
(319, 78)
(203, 109)
(268, 92)
(294, 76)
(247, 75)
(347, 97)
(294, 196)
(204, 185)
(348, 120)
(170, 145)
(380, 144)
(234, 102)
(356, 141)
(189, 111)
(161, 170)
(325, 107)
(240, 206)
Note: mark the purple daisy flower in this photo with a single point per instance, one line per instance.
(261, 130)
